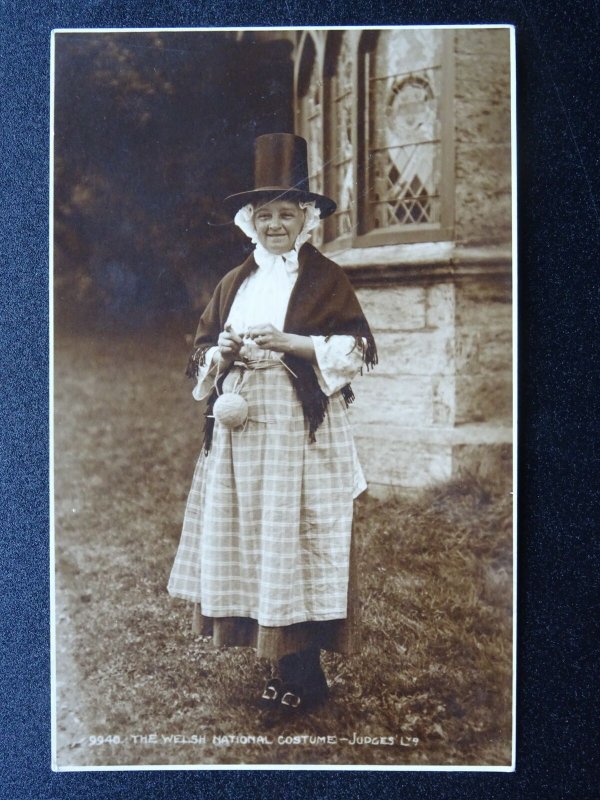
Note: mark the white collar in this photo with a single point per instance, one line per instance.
(269, 261)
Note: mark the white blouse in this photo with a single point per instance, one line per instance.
(263, 298)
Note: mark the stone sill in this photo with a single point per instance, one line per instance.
(471, 433)
(389, 491)
(423, 262)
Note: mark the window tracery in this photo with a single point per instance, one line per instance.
(404, 132)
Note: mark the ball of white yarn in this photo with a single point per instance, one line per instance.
(231, 410)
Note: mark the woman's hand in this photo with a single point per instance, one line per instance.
(268, 337)
(229, 344)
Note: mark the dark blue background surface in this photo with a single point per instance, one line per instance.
(559, 218)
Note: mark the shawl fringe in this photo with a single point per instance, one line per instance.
(313, 399)
(348, 394)
(196, 360)
(369, 352)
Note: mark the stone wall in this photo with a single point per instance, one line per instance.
(483, 304)
(483, 351)
(409, 397)
(482, 153)
(439, 403)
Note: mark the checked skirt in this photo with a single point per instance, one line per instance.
(266, 541)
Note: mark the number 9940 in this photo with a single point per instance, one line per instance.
(95, 740)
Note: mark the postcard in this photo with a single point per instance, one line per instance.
(283, 398)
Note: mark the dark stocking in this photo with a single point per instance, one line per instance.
(303, 670)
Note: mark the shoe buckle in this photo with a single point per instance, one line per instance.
(290, 699)
(269, 692)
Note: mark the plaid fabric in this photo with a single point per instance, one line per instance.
(267, 527)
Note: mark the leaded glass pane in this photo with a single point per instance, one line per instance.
(404, 88)
(312, 130)
(342, 161)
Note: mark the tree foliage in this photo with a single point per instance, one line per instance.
(151, 131)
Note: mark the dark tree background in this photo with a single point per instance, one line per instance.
(151, 132)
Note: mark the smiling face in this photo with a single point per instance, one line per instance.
(278, 224)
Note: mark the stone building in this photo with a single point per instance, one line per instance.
(410, 131)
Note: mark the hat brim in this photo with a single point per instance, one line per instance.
(234, 202)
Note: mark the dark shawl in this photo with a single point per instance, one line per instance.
(322, 303)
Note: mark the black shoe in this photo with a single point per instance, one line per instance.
(304, 682)
(272, 693)
(297, 699)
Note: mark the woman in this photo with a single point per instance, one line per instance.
(265, 551)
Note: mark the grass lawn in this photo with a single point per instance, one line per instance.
(434, 676)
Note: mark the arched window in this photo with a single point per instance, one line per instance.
(310, 104)
(406, 136)
(339, 70)
(377, 116)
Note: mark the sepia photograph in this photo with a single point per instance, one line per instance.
(283, 398)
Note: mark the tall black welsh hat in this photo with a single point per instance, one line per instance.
(280, 173)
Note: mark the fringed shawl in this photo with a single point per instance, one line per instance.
(322, 303)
